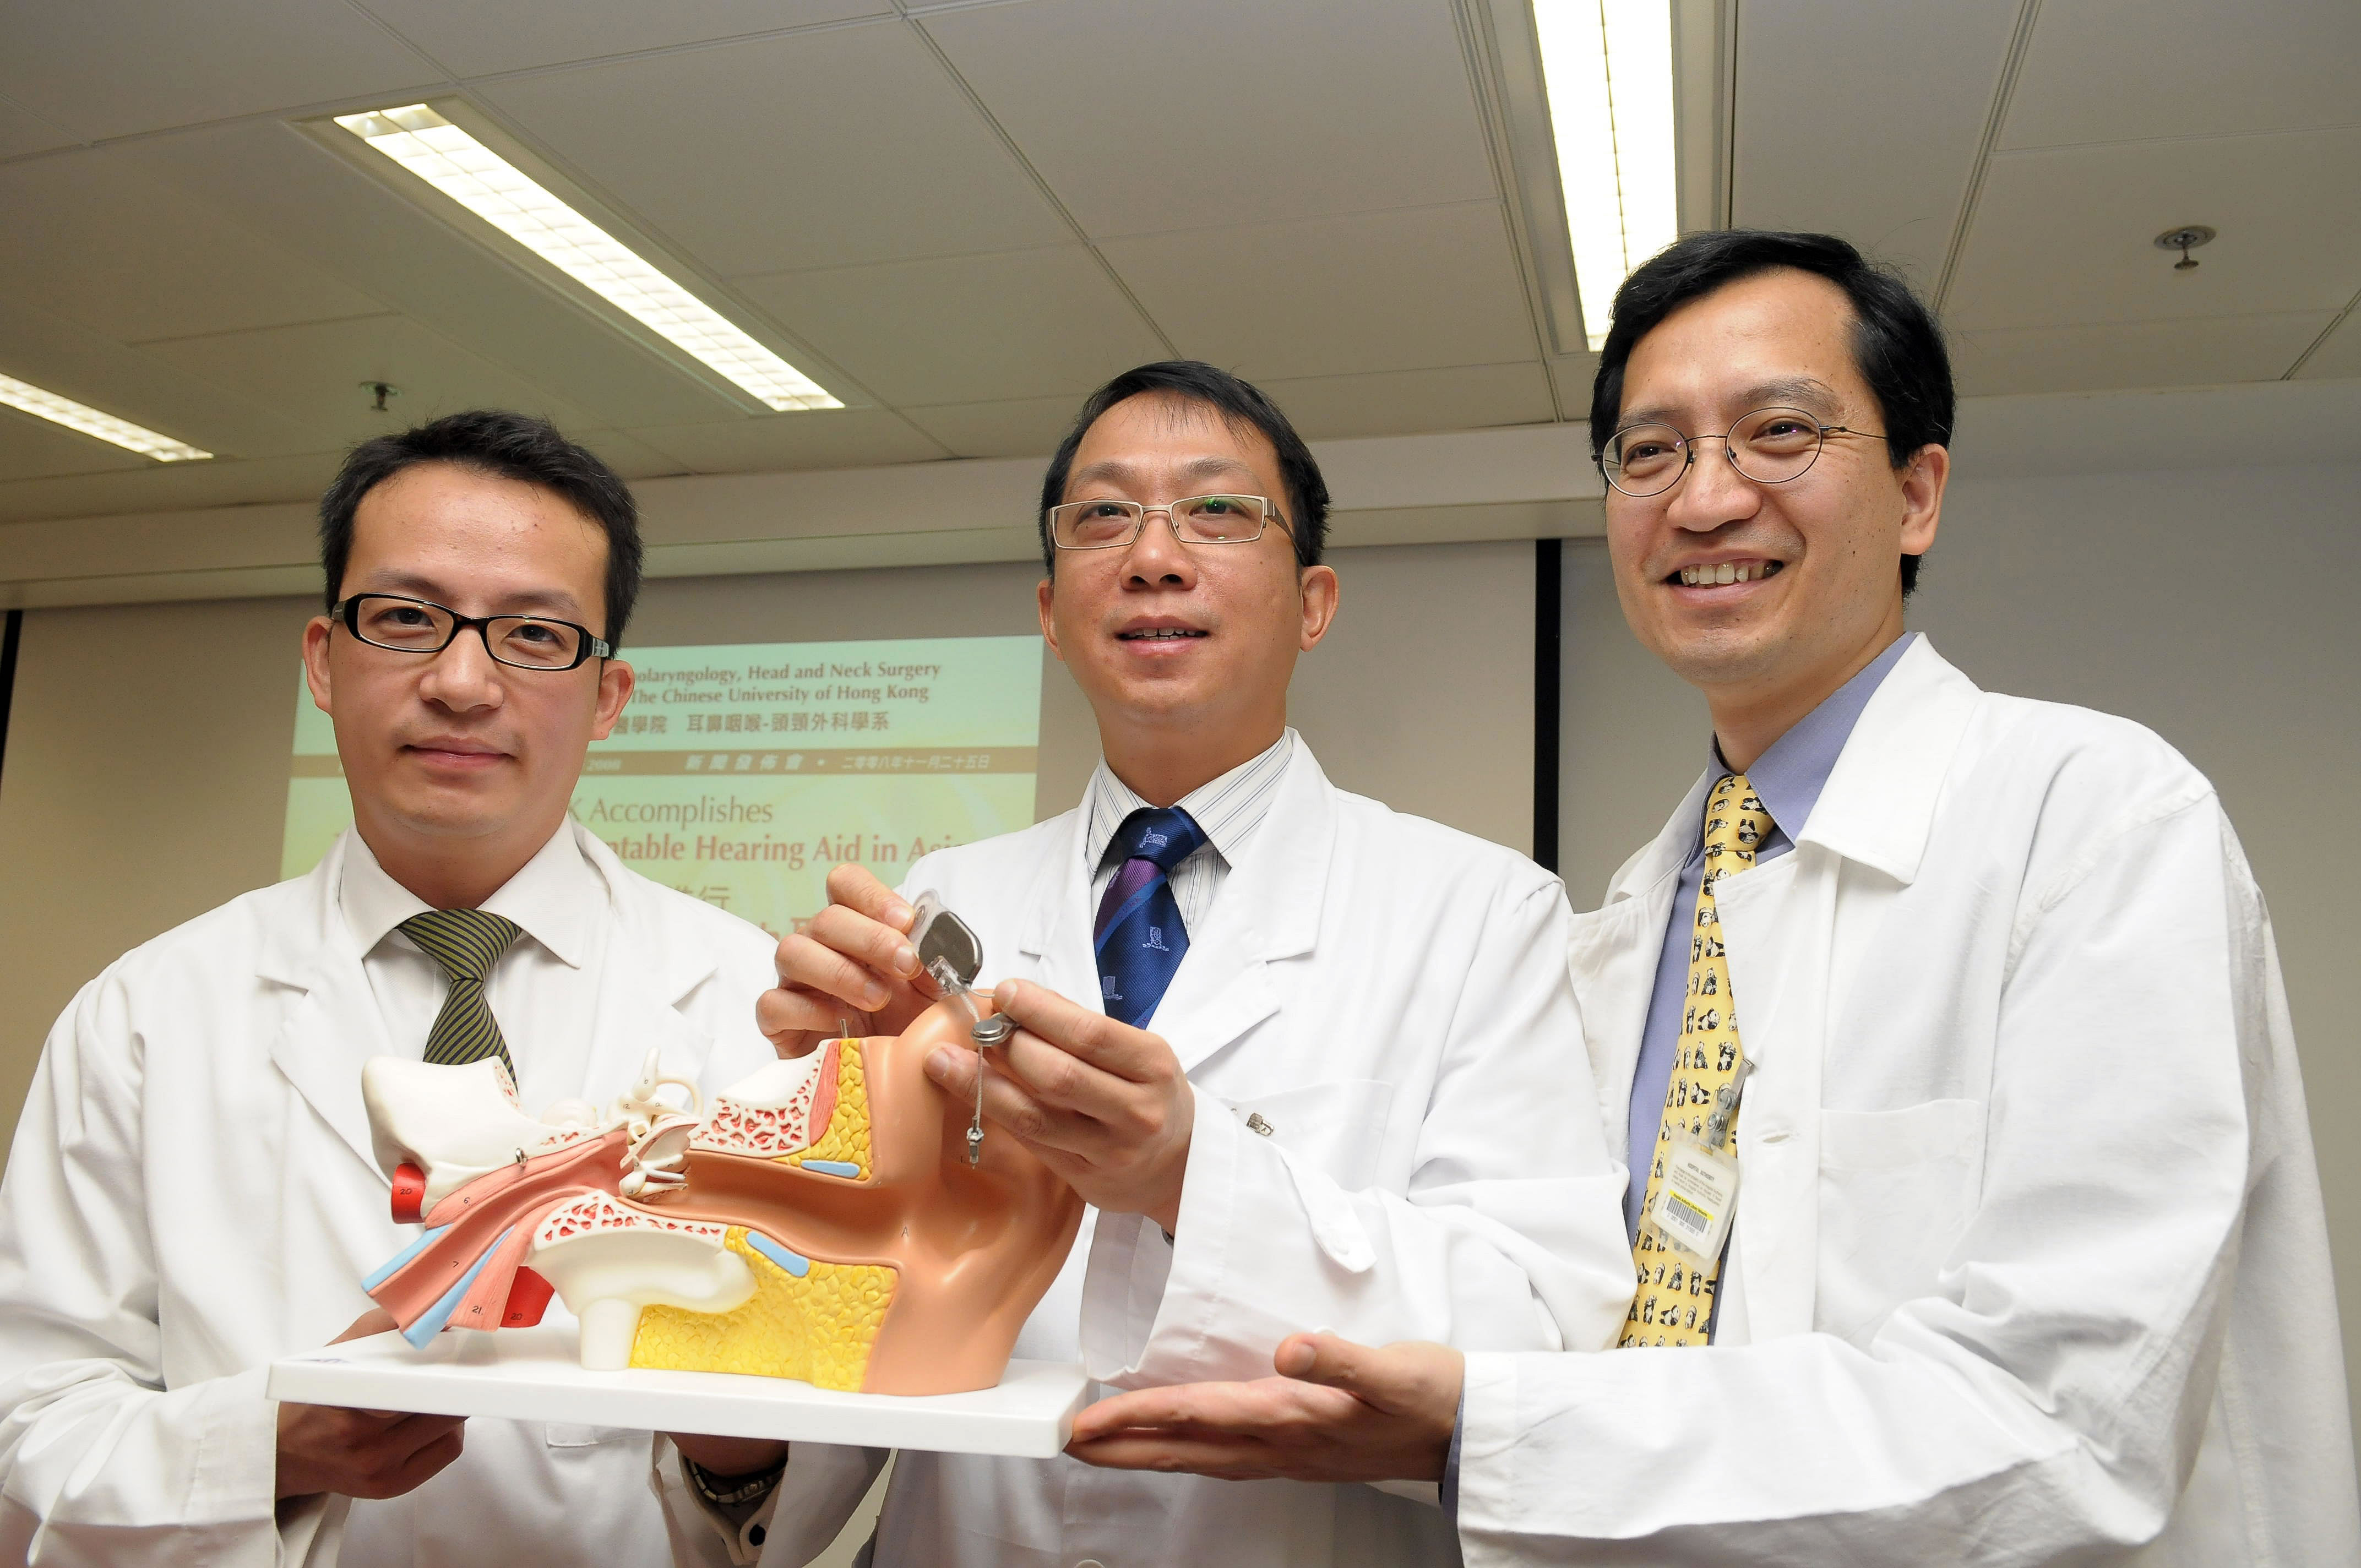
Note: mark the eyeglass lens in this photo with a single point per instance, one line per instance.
(1768, 446)
(413, 626)
(1200, 520)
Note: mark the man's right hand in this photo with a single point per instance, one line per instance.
(362, 1454)
(852, 964)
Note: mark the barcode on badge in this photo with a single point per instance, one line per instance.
(1692, 1218)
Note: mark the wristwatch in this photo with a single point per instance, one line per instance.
(730, 1492)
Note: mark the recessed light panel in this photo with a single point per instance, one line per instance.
(122, 433)
(504, 195)
(1607, 65)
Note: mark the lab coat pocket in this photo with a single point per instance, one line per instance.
(1897, 1188)
(1331, 1137)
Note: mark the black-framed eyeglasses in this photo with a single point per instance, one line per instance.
(421, 626)
(1769, 447)
(1197, 519)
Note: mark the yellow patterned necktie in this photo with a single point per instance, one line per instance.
(467, 943)
(1674, 1303)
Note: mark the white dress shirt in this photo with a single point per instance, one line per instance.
(1228, 809)
(543, 990)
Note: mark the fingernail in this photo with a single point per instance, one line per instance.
(905, 961)
(1004, 993)
(938, 1064)
(900, 914)
(873, 996)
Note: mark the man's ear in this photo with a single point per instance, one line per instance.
(316, 661)
(1922, 497)
(1316, 592)
(1044, 597)
(616, 683)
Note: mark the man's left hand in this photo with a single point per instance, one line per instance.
(1103, 1105)
(1338, 1411)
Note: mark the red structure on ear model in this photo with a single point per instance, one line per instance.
(821, 1223)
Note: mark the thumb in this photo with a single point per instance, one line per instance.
(1408, 1377)
(376, 1321)
(1328, 1360)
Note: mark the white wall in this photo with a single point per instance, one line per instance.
(2214, 606)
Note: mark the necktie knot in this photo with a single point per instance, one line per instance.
(1736, 823)
(1164, 836)
(465, 942)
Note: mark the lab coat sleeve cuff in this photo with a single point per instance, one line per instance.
(236, 1428)
(1134, 1330)
(1483, 1490)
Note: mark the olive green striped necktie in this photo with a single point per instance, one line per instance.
(467, 943)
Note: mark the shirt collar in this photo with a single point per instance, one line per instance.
(1228, 808)
(1790, 776)
(553, 897)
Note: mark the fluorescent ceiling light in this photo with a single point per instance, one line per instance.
(495, 190)
(91, 422)
(1607, 65)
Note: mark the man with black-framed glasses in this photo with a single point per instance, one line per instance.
(194, 1190)
(1306, 1058)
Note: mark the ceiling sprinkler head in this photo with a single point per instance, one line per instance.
(380, 390)
(2184, 239)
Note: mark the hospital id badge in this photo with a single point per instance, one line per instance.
(1694, 1202)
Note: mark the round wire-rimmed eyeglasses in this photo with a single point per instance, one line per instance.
(1769, 447)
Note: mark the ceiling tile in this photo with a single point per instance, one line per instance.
(822, 438)
(1403, 291)
(2134, 353)
(314, 373)
(110, 68)
(1572, 377)
(628, 455)
(2066, 235)
(70, 359)
(470, 38)
(826, 149)
(968, 328)
(1884, 160)
(1403, 402)
(171, 486)
(277, 182)
(33, 448)
(2114, 69)
(2340, 357)
(1158, 115)
(22, 132)
(1019, 427)
(92, 237)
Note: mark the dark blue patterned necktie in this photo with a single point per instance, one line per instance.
(1140, 935)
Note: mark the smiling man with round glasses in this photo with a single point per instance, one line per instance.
(1972, 1212)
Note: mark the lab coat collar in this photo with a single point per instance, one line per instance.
(1269, 909)
(1877, 807)
(553, 899)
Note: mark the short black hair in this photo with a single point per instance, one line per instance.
(507, 446)
(1243, 405)
(1897, 341)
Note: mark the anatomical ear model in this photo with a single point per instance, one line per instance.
(824, 1220)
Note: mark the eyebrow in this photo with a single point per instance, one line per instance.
(529, 601)
(1117, 472)
(1807, 393)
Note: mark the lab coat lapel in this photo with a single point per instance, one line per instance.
(1055, 927)
(335, 1026)
(1268, 908)
(648, 973)
(1780, 921)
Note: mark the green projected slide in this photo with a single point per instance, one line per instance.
(741, 774)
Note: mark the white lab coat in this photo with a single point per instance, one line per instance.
(1390, 997)
(191, 1194)
(2029, 1263)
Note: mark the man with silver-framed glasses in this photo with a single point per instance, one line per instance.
(193, 1191)
(1972, 1204)
(1306, 1057)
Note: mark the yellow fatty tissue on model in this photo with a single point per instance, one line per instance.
(846, 1139)
(819, 1327)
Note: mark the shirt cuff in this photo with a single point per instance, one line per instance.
(1451, 1461)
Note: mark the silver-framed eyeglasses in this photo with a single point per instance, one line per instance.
(421, 626)
(1768, 446)
(1196, 519)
